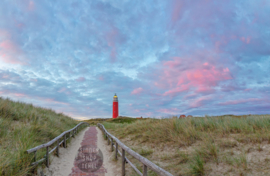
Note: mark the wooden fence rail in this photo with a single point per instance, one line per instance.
(146, 163)
(71, 133)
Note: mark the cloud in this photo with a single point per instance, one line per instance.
(137, 91)
(80, 79)
(177, 57)
(233, 102)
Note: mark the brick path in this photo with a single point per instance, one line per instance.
(90, 138)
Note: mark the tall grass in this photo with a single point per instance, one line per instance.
(188, 130)
(204, 140)
(23, 126)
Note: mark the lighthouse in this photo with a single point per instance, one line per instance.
(115, 107)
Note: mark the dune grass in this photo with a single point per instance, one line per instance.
(194, 146)
(23, 126)
(118, 120)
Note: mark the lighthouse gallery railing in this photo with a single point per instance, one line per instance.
(146, 162)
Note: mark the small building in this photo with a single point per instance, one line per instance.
(189, 116)
(182, 116)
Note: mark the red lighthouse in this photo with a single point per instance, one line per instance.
(115, 107)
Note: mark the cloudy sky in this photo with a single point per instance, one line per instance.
(161, 57)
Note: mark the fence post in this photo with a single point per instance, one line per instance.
(116, 150)
(112, 144)
(65, 141)
(57, 149)
(73, 133)
(108, 140)
(35, 156)
(47, 156)
(144, 170)
(123, 162)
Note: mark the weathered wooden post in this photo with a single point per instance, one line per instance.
(35, 156)
(57, 149)
(112, 144)
(108, 140)
(123, 162)
(116, 150)
(65, 141)
(47, 156)
(73, 133)
(144, 170)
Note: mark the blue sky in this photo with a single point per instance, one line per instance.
(161, 57)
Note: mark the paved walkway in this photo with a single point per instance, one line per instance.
(90, 139)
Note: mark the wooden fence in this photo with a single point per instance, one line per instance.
(146, 163)
(71, 133)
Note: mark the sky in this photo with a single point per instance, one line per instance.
(162, 58)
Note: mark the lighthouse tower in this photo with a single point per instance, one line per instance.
(115, 107)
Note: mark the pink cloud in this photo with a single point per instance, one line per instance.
(111, 38)
(11, 53)
(177, 75)
(168, 110)
(199, 102)
(101, 78)
(20, 95)
(31, 5)
(50, 100)
(233, 102)
(34, 80)
(247, 90)
(176, 90)
(245, 39)
(137, 91)
(63, 89)
(5, 76)
(80, 79)
(177, 8)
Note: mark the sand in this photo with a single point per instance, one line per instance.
(61, 166)
(110, 165)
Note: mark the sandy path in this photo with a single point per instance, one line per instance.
(112, 170)
(65, 165)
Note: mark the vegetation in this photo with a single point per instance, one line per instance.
(23, 126)
(221, 145)
(116, 120)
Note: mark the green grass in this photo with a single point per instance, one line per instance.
(145, 152)
(197, 166)
(190, 146)
(188, 130)
(118, 120)
(23, 126)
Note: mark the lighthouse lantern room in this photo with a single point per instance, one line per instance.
(115, 107)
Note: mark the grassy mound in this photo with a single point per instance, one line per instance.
(116, 120)
(224, 145)
(23, 126)
(122, 120)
